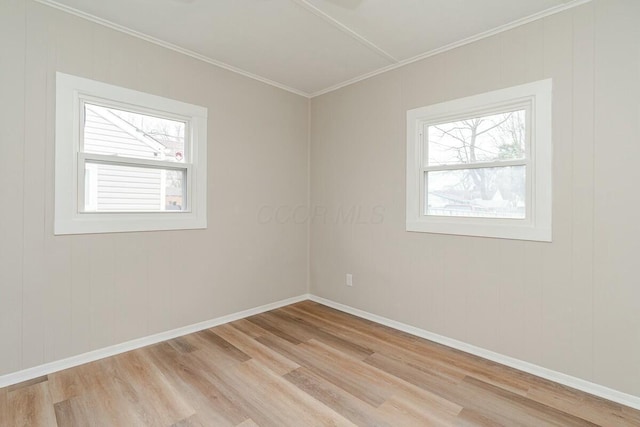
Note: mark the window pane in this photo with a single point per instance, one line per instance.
(119, 188)
(110, 131)
(483, 192)
(481, 139)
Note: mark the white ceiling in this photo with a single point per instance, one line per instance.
(312, 46)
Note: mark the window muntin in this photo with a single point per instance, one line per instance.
(127, 160)
(503, 188)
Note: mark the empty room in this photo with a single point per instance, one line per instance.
(319, 213)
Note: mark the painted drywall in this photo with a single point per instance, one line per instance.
(65, 295)
(571, 305)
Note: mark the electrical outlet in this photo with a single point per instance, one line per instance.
(349, 279)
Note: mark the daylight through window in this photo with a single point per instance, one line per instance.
(127, 160)
(477, 167)
(111, 135)
(481, 166)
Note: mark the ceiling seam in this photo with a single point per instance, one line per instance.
(517, 23)
(167, 45)
(345, 29)
(337, 24)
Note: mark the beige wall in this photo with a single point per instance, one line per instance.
(573, 305)
(65, 295)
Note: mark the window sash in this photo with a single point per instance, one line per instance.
(107, 103)
(84, 158)
(525, 104)
(425, 200)
(528, 186)
(465, 166)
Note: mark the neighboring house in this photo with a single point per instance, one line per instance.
(461, 203)
(114, 187)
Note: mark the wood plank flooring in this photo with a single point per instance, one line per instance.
(301, 365)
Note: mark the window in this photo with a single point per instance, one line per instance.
(127, 160)
(481, 166)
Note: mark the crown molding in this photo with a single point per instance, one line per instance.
(167, 45)
(517, 23)
(312, 9)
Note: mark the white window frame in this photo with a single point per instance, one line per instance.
(536, 99)
(69, 215)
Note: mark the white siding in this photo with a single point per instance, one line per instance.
(128, 188)
(102, 136)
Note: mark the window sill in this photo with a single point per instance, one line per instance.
(92, 223)
(507, 229)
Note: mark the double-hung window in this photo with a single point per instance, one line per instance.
(127, 160)
(481, 166)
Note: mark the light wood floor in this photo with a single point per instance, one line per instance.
(302, 365)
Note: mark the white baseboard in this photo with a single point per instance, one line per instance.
(558, 377)
(70, 362)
